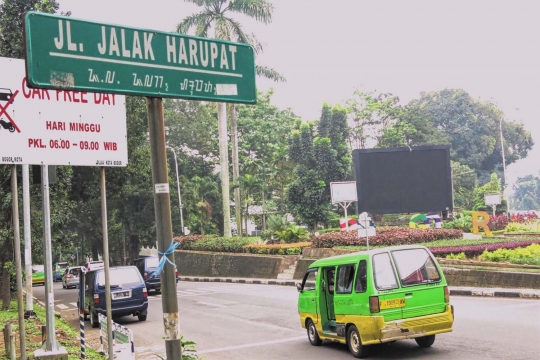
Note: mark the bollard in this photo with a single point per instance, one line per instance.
(9, 341)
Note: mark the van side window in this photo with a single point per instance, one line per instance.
(309, 281)
(383, 272)
(361, 277)
(345, 279)
(415, 266)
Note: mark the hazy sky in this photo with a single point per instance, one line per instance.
(326, 49)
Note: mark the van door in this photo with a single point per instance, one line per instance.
(391, 299)
(421, 282)
(308, 297)
(328, 290)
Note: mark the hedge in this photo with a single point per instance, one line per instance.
(277, 249)
(214, 243)
(386, 236)
(476, 250)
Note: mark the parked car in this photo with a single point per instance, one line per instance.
(376, 296)
(129, 295)
(71, 277)
(94, 265)
(38, 274)
(147, 267)
(59, 270)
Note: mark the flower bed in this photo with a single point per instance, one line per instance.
(476, 250)
(277, 249)
(386, 236)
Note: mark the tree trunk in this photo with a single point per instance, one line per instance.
(236, 172)
(224, 164)
(6, 291)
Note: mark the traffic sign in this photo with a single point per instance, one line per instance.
(67, 53)
(58, 127)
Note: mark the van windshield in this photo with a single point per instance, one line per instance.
(62, 265)
(415, 266)
(120, 277)
(152, 262)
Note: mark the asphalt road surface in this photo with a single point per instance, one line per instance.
(243, 321)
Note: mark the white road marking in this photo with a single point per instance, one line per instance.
(62, 306)
(264, 343)
(74, 304)
(212, 304)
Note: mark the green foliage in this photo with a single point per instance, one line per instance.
(529, 255)
(277, 249)
(277, 222)
(462, 221)
(292, 234)
(460, 256)
(319, 160)
(233, 244)
(464, 181)
(527, 227)
(328, 230)
(492, 187)
(526, 193)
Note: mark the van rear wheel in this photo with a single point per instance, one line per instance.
(425, 341)
(312, 334)
(355, 343)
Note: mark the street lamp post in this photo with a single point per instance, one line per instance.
(504, 164)
(179, 195)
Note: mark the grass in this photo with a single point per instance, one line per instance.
(66, 335)
(452, 242)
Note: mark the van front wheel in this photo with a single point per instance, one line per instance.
(425, 341)
(312, 334)
(355, 343)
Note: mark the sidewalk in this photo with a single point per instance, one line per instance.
(454, 290)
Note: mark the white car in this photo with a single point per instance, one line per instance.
(94, 265)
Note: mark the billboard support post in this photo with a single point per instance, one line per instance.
(17, 246)
(29, 313)
(345, 205)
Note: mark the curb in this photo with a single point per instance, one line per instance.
(476, 292)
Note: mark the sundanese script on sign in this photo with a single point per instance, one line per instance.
(67, 53)
(58, 127)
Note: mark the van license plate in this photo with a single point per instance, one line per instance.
(121, 295)
(393, 303)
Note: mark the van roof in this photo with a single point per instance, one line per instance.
(353, 257)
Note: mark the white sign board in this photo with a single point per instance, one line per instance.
(57, 127)
(492, 199)
(343, 191)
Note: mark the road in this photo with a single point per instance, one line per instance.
(243, 321)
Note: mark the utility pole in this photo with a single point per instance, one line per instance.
(504, 165)
(17, 246)
(162, 207)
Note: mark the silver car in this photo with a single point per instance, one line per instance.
(71, 277)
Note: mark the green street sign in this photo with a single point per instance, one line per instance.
(65, 53)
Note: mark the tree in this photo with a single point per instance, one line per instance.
(12, 45)
(370, 115)
(472, 127)
(319, 160)
(464, 182)
(526, 193)
(215, 13)
(492, 187)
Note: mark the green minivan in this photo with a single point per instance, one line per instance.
(375, 296)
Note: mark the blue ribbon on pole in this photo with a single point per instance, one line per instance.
(164, 259)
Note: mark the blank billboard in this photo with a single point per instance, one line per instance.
(403, 180)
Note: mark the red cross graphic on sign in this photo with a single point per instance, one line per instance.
(3, 111)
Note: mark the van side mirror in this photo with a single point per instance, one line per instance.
(299, 287)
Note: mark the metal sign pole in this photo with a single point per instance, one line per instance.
(50, 343)
(27, 242)
(17, 246)
(162, 208)
(82, 291)
(106, 262)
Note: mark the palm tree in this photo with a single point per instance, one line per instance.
(215, 14)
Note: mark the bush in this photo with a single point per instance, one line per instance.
(292, 234)
(525, 227)
(521, 218)
(527, 255)
(462, 221)
(325, 231)
(460, 256)
(476, 250)
(386, 236)
(498, 222)
(277, 249)
(218, 244)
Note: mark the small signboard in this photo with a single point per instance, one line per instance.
(72, 54)
(58, 127)
(492, 199)
(343, 191)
